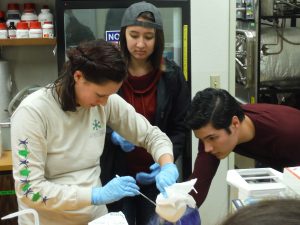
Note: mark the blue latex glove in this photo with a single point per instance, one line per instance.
(114, 190)
(148, 178)
(167, 176)
(119, 140)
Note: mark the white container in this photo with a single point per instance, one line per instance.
(48, 30)
(35, 30)
(13, 13)
(5, 136)
(45, 16)
(3, 31)
(3, 34)
(22, 30)
(22, 33)
(256, 183)
(35, 33)
(29, 16)
(12, 16)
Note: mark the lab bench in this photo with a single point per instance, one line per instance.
(8, 200)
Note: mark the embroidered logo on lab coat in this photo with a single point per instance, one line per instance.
(96, 125)
(98, 129)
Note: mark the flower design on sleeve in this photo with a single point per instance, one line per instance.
(25, 172)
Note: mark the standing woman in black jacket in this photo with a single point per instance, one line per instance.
(157, 89)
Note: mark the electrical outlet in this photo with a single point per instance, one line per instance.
(215, 81)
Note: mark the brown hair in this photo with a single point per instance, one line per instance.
(98, 60)
(270, 212)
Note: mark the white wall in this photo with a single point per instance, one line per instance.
(211, 41)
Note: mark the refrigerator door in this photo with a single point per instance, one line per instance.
(89, 24)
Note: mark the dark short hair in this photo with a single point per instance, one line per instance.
(215, 106)
(269, 212)
(98, 60)
(156, 56)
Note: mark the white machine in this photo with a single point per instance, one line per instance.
(291, 178)
(255, 184)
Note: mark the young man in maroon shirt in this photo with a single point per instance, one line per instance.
(265, 132)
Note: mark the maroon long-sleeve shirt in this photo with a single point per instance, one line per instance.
(276, 143)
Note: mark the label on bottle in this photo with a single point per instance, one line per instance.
(48, 31)
(35, 33)
(3, 34)
(12, 34)
(22, 33)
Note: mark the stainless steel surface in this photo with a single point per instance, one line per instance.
(267, 7)
(244, 57)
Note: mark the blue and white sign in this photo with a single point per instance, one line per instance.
(112, 35)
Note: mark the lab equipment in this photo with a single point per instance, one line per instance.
(178, 204)
(291, 178)
(255, 184)
(25, 211)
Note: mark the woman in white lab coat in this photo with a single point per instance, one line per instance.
(58, 136)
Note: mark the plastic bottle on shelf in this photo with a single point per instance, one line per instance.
(12, 31)
(45, 15)
(12, 18)
(13, 13)
(22, 30)
(29, 7)
(35, 30)
(29, 13)
(48, 31)
(13, 8)
(3, 31)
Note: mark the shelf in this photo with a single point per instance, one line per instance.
(5, 161)
(28, 42)
(245, 20)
